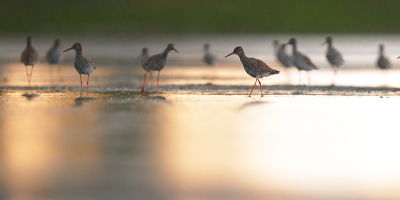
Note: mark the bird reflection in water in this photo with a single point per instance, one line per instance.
(80, 100)
(30, 96)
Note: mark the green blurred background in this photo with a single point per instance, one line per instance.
(205, 16)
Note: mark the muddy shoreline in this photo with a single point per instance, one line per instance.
(210, 89)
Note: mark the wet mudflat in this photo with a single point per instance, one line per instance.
(202, 137)
(195, 145)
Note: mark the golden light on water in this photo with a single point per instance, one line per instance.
(227, 143)
(36, 154)
(350, 157)
(204, 141)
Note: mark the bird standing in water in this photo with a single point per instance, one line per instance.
(282, 57)
(82, 64)
(383, 62)
(142, 59)
(334, 57)
(30, 57)
(301, 61)
(54, 55)
(157, 63)
(254, 67)
(209, 58)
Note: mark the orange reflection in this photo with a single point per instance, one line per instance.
(266, 148)
(13, 74)
(40, 152)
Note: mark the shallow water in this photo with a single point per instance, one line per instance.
(188, 146)
(201, 137)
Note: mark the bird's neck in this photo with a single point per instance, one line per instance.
(78, 52)
(242, 56)
(165, 53)
(294, 48)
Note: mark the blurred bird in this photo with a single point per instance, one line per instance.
(301, 61)
(54, 55)
(254, 67)
(30, 57)
(157, 63)
(209, 58)
(383, 63)
(282, 57)
(334, 57)
(143, 58)
(82, 64)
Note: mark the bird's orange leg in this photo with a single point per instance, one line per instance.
(334, 75)
(30, 74)
(80, 76)
(87, 85)
(260, 87)
(253, 88)
(144, 83)
(158, 76)
(151, 78)
(27, 77)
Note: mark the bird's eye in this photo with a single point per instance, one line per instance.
(236, 49)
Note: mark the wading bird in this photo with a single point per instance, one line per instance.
(254, 67)
(82, 64)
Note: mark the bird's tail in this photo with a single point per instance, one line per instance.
(274, 72)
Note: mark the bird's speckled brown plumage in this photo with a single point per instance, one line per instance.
(254, 67)
(157, 62)
(82, 64)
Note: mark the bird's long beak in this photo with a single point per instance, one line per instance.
(323, 43)
(68, 49)
(229, 54)
(398, 57)
(175, 50)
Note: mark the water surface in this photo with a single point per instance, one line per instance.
(201, 137)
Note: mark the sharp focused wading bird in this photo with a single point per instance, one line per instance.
(157, 63)
(334, 57)
(254, 67)
(30, 57)
(82, 64)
